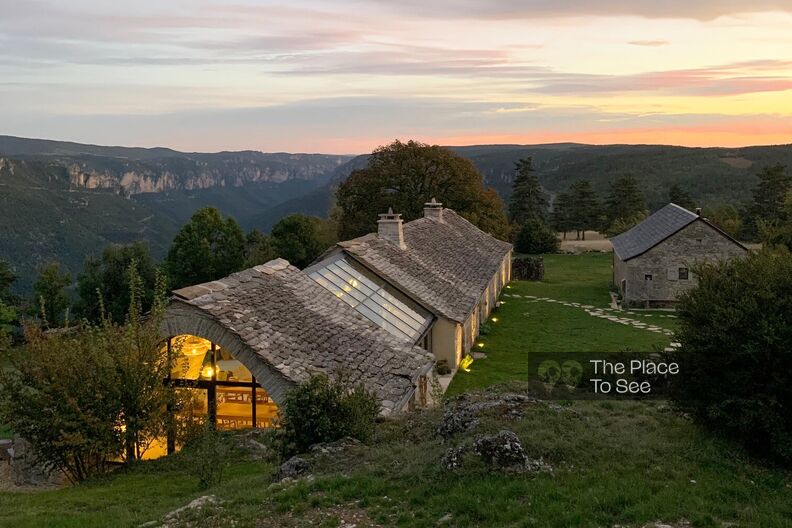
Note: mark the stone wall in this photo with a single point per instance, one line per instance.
(695, 244)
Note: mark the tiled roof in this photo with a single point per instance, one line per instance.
(297, 327)
(659, 226)
(445, 267)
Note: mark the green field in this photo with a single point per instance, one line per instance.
(525, 325)
(614, 463)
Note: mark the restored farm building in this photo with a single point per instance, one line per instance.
(380, 309)
(652, 262)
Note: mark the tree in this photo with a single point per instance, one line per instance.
(7, 278)
(727, 218)
(625, 200)
(103, 282)
(258, 249)
(681, 197)
(735, 367)
(93, 394)
(404, 176)
(584, 208)
(298, 239)
(51, 301)
(206, 248)
(562, 213)
(528, 201)
(769, 195)
(535, 238)
(768, 199)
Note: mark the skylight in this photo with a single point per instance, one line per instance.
(371, 298)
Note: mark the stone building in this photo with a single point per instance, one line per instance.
(374, 309)
(432, 281)
(653, 262)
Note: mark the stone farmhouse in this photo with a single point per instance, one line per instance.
(381, 309)
(653, 261)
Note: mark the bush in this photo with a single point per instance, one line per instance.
(535, 238)
(324, 410)
(735, 361)
(91, 394)
(208, 456)
(528, 268)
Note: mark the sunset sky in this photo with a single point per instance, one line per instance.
(345, 76)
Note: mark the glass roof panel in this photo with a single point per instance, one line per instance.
(371, 298)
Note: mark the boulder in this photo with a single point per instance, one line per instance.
(502, 450)
(293, 468)
(456, 420)
(452, 459)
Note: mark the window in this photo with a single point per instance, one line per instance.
(648, 277)
(699, 241)
(370, 296)
(683, 274)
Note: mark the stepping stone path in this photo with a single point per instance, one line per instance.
(608, 314)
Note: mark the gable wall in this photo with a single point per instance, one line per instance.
(662, 262)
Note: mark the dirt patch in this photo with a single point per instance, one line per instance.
(594, 242)
(737, 162)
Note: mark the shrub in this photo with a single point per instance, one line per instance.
(442, 368)
(208, 456)
(735, 362)
(535, 238)
(91, 394)
(325, 410)
(528, 268)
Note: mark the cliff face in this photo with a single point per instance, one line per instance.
(170, 174)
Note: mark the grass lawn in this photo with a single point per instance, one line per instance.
(614, 463)
(525, 325)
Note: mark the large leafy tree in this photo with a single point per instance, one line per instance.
(404, 176)
(300, 239)
(679, 196)
(258, 249)
(51, 301)
(735, 366)
(625, 200)
(103, 283)
(584, 208)
(528, 201)
(206, 248)
(8, 301)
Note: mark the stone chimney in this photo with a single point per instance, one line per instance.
(390, 227)
(698, 211)
(433, 210)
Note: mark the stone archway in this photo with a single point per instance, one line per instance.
(182, 318)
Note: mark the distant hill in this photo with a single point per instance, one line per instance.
(63, 200)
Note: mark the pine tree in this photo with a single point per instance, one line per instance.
(625, 200)
(528, 201)
(584, 208)
(561, 216)
(681, 197)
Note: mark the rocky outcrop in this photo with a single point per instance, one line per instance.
(293, 468)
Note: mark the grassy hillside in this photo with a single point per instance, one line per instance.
(614, 463)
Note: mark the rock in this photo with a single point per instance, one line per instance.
(27, 470)
(452, 459)
(445, 519)
(456, 420)
(335, 447)
(292, 469)
(172, 518)
(502, 450)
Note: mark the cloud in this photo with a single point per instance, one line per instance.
(509, 9)
(649, 43)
